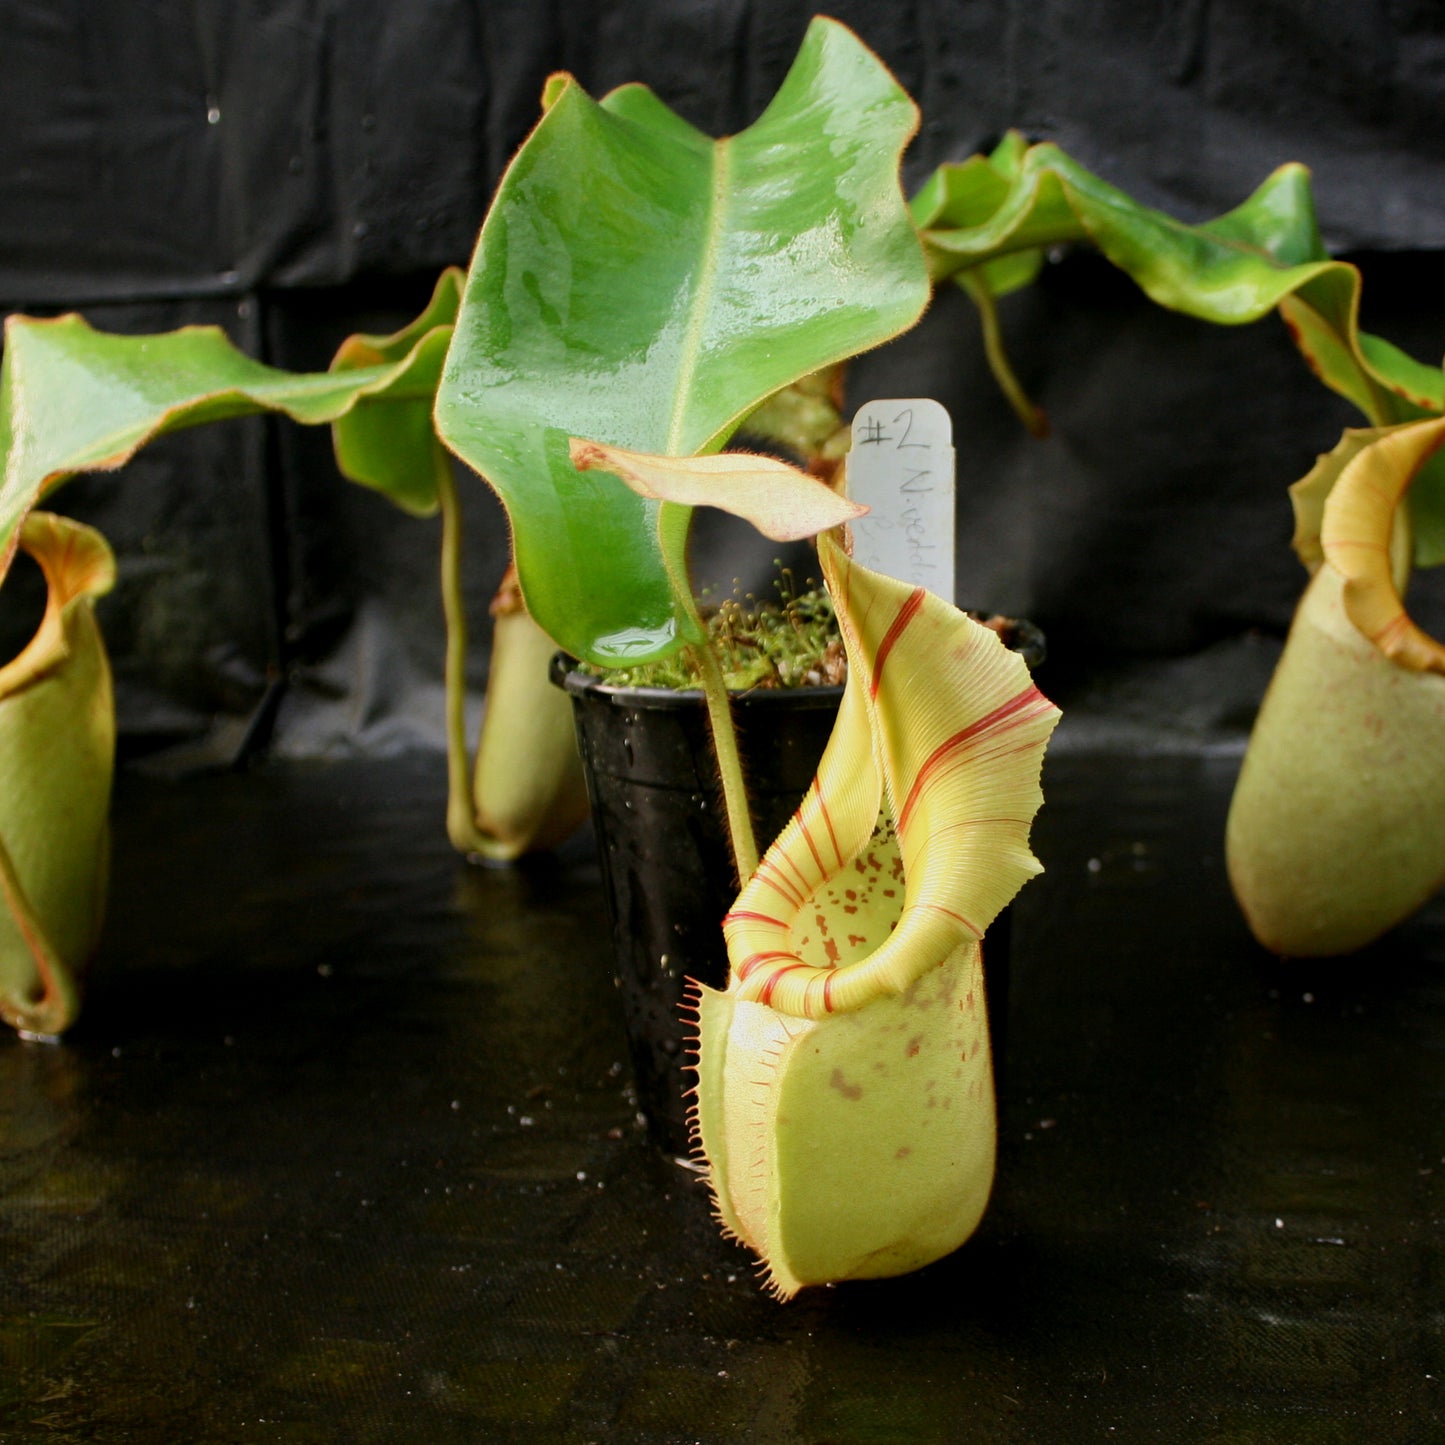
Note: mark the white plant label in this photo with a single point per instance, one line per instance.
(901, 467)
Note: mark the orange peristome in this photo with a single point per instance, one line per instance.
(1356, 534)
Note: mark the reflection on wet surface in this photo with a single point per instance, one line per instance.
(344, 1149)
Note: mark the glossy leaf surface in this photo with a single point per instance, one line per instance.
(845, 1097)
(638, 284)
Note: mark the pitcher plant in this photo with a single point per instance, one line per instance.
(1329, 841)
(1334, 828)
(57, 755)
(845, 1105)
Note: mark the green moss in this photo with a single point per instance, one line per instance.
(792, 642)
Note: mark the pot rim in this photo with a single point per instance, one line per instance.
(564, 673)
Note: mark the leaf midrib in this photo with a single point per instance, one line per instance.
(721, 166)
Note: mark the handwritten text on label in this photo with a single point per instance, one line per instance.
(901, 467)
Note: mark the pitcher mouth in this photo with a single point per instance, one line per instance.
(25, 596)
(78, 567)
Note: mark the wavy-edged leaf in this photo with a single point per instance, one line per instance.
(73, 399)
(782, 502)
(636, 285)
(639, 104)
(57, 753)
(966, 194)
(387, 439)
(1264, 254)
(1230, 270)
(845, 1099)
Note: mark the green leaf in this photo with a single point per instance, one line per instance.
(1427, 513)
(1230, 270)
(387, 440)
(74, 399)
(1264, 254)
(638, 284)
(966, 194)
(957, 197)
(1421, 388)
(641, 106)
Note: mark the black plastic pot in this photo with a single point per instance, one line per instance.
(662, 843)
(666, 864)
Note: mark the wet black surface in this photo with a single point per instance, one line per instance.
(343, 1151)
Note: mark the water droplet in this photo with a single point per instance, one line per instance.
(213, 115)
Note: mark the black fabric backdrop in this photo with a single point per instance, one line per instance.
(299, 169)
